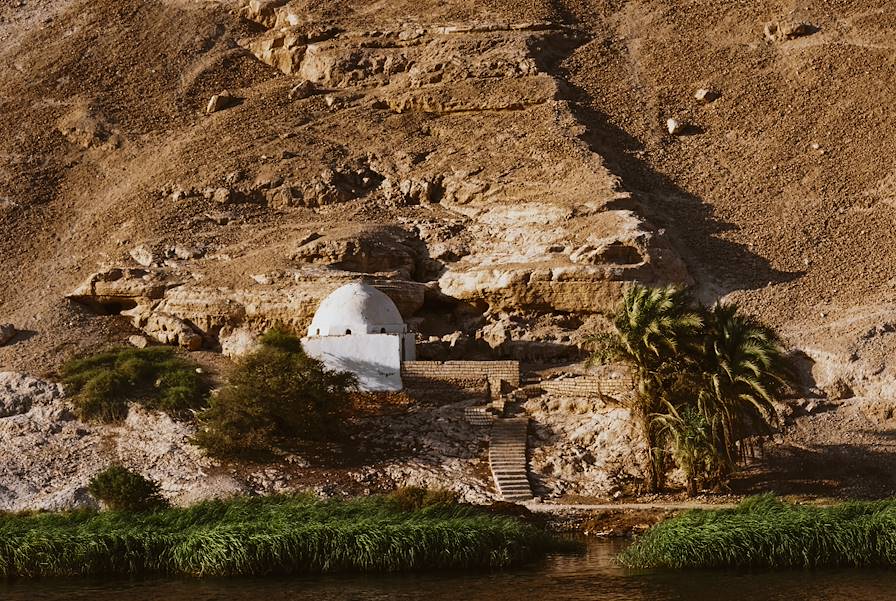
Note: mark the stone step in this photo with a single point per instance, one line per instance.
(507, 458)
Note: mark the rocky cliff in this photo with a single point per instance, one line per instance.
(198, 171)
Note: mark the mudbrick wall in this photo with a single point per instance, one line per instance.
(462, 374)
(588, 386)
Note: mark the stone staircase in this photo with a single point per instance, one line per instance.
(507, 458)
(479, 416)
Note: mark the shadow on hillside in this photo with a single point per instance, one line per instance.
(848, 471)
(695, 231)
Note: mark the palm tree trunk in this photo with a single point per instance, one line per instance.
(692, 486)
(651, 468)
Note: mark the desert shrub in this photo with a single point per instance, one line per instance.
(124, 490)
(275, 396)
(104, 383)
(413, 498)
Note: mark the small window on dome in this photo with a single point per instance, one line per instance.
(318, 332)
(348, 331)
(382, 330)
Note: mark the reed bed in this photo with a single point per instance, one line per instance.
(257, 536)
(765, 532)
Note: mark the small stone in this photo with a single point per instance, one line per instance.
(302, 90)
(330, 100)
(138, 341)
(706, 95)
(778, 31)
(186, 253)
(219, 102)
(220, 218)
(261, 279)
(222, 195)
(7, 333)
(674, 126)
(142, 255)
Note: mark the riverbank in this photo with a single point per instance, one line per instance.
(273, 535)
(766, 532)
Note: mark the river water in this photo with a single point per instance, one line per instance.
(592, 575)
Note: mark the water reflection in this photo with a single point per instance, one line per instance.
(593, 575)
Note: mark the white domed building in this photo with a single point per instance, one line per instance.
(357, 328)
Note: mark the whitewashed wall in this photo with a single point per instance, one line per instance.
(374, 358)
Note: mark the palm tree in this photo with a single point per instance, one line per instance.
(654, 329)
(688, 434)
(744, 371)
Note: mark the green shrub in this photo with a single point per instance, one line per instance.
(275, 396)
(103, 384)
(413, 498)
(124, 490)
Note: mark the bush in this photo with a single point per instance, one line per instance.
(124, 490)
(275, 395)
(413, 498)
(103, 384)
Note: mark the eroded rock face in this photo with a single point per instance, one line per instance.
(467, 193)
(19, 392)
(584, 447)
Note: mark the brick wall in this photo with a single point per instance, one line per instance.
(463, 374)
(588, 387)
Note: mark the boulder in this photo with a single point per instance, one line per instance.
(165, 328)
(236, 342)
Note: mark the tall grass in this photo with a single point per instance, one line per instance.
(766, 532)
(256, 536)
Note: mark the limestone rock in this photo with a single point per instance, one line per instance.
(302, 90)
(122, 287)
(236, 342)
(263, 11)
(674, 126)
(706, 95)
(142, 255)
(166, 328)
(220, 101)
(787, 29)
(7, 333)
(483, 95)
(838, 390)
(222, 195)
(19, 392)
(138, 341)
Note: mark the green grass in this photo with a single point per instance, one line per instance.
(766, 532)
(265, 535)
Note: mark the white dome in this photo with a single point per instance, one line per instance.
(356, 309)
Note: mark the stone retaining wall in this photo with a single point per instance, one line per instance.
(462, 374)
(588, 387)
